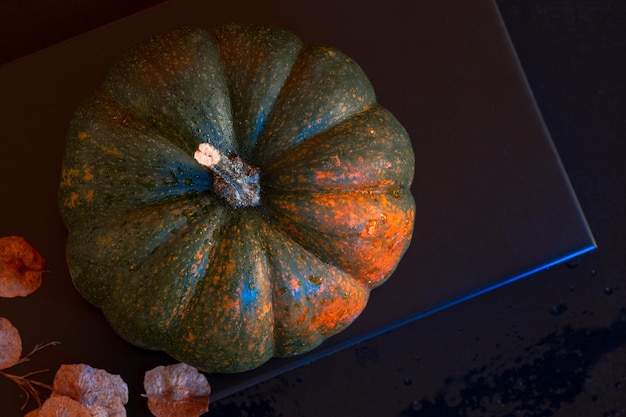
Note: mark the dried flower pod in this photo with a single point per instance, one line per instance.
(93, 388)
(60, 406)
(177, 391)
(10, 344)
(21, 267)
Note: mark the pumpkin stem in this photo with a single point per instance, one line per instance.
(234, 180)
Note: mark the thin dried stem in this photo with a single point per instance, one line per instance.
(30, 386)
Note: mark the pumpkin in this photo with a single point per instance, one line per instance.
(232, 194)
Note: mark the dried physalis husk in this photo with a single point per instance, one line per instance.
(176, 391)
(10, 344)
(21, 267)
(102, 393)
(60, 406)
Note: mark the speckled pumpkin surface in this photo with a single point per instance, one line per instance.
(164, 245)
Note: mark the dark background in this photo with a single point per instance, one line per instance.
(551, 344)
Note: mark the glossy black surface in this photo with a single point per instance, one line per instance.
(557, 334)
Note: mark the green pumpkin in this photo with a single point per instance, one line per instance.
(266, 240)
